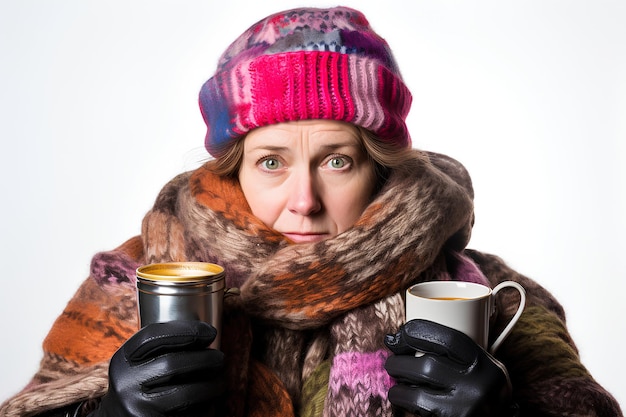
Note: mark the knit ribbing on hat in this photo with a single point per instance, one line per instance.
(301, 65)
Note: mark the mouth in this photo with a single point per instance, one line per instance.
(306, 237)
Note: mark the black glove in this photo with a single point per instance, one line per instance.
(453, 378)
(165, 369)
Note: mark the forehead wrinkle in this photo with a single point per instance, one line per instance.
(307, 135)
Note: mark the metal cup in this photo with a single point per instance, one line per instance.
(181, 291)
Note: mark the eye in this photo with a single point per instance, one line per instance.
(338, 162)
(270, 163)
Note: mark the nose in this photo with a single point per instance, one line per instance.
(304, 197)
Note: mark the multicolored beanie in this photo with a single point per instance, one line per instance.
(306, 64)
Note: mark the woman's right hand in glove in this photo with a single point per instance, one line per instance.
(165, 369)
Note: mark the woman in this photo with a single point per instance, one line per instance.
(322, 215)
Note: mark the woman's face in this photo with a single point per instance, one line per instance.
(309, 180)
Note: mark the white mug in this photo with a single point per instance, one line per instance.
(464, 306)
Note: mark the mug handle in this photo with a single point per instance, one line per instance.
(522, 303)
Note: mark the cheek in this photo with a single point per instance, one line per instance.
(263, 204)
(355, 200)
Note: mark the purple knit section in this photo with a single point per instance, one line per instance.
(114, 268)
(363, 79)
(466, 270)
(363, 374)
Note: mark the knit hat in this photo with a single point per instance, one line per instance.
(306, 64)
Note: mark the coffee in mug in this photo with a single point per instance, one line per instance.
(464, 306)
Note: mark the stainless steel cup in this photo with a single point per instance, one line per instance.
(181, 290)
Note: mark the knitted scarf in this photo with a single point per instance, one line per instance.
(304, 324)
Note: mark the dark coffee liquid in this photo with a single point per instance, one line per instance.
(448, 298)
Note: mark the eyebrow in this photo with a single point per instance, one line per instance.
(341, 145)
(269, 148)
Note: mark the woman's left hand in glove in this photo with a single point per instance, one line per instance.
(454, 377)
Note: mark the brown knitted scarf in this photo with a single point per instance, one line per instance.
(333, 300)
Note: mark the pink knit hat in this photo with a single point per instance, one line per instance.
(306, 64)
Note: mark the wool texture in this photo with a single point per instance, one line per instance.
(304, 64)
(304, 324)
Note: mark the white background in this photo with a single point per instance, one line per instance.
(98, 109)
